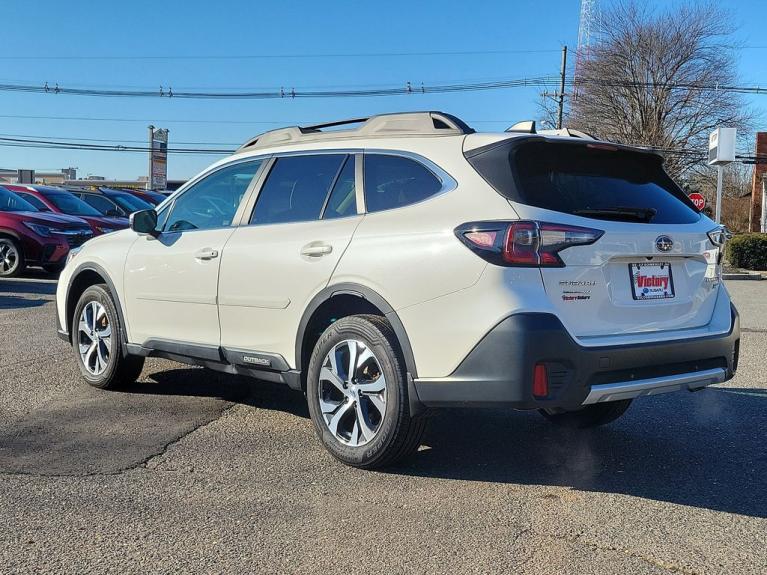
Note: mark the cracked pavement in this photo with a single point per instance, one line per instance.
(194, 471)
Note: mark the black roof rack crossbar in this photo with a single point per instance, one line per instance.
(317, 127)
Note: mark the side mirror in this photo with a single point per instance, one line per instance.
(144, 222)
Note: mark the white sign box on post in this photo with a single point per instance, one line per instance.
(721, 151)
(721, 146)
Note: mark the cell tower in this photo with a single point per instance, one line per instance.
(588, 24)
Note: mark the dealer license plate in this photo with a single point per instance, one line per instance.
(651, 280)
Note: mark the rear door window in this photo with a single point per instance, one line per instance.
(296, 188)
(596, 181)
(343, 198)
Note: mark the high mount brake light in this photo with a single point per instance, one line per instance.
(524, 243)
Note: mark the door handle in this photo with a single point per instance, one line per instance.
(316, 249)
(206, 254)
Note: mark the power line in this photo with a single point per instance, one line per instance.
(285, 56)
(72, 145)
(68, 145)
(114, 140)
(406, 89)
(282, 93)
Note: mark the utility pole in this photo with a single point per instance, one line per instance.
(562, 88)
(151, 155)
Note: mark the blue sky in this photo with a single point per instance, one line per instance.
(35, 31)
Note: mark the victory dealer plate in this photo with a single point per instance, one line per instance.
(651, 280)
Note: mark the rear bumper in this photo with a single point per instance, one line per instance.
(499, 370)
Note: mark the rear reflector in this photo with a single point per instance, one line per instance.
(524, 243)
(540, 380)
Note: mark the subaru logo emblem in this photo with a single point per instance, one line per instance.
(664, 243)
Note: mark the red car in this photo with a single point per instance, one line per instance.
(60, 201)
(29, 237)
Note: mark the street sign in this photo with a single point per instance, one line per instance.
(721, 151)
(158, 158)
(721, 146)
(698, 200)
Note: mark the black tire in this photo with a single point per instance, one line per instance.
(589, 416)
(398, 434)
(12, 261)
(121, 370)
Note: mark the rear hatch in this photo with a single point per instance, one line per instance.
(655, 268)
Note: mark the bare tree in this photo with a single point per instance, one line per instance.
(641, 83)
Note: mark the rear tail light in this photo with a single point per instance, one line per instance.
(540, 380)
(524, 243)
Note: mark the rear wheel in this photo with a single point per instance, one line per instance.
(11, 258)
(589, 416)
(358, 395)
(97, 340)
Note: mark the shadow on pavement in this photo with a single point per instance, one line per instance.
(14, 302)
(26, 287)
(705, 451)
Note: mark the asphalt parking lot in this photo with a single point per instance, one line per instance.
(191, 471)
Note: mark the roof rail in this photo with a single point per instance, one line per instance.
(400, 124)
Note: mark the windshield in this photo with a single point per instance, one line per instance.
(130, 203)
(588, 180)
(70, 204)
(10, 202)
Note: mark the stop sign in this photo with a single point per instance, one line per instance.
(698, 200)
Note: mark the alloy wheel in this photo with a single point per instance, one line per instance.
(352, 393)
(9, 257)
(94, 337)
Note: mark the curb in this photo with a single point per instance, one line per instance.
(742, 276)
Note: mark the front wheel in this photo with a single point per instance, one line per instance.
(11, 258)
(97, 340)
(589, 416)
(358, 395)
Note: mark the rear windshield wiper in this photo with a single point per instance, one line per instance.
(619, 213)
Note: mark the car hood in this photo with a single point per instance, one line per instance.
(51, 219)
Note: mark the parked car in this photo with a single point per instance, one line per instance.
(61, 201)
(412, 263)
(149, 196)
(109, 202)
(29, 237)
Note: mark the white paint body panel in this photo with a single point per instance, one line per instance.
(254, 294)
(266, 282)
(170, 294)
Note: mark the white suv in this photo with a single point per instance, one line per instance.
(412, 263)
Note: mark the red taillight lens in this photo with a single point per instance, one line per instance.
(524, 243)
(540, 380)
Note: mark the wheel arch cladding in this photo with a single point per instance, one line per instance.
(85, 276)
(342, 300)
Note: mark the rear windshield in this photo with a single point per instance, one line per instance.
(130, 203)
(71, 204)
(611, 184)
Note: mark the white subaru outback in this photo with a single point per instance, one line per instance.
(412, 263)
